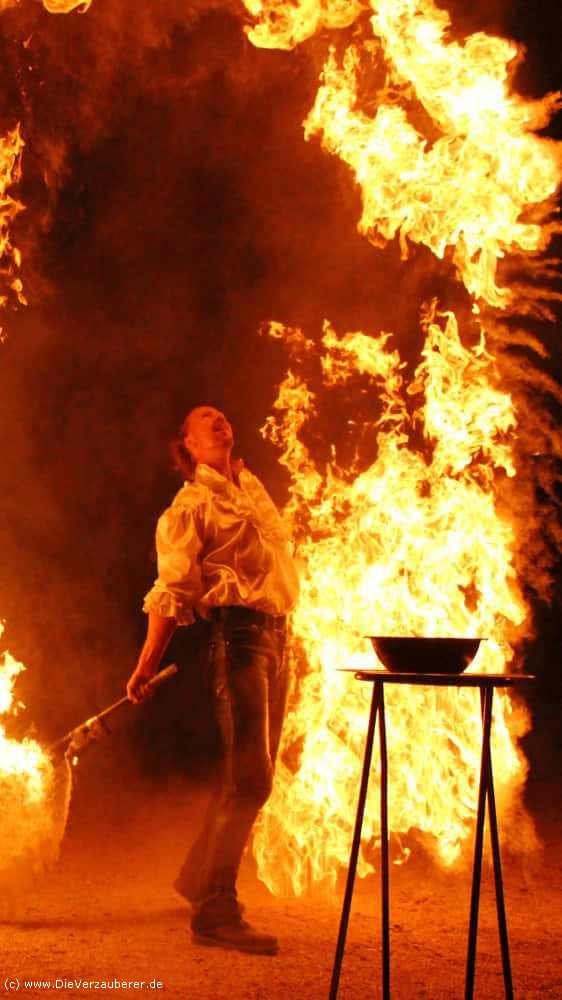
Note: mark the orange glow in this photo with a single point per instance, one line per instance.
(446, 156)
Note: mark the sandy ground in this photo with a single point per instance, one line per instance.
(107, 911)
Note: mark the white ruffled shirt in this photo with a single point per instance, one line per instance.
(219, 544)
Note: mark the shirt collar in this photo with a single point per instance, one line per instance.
(215, 480)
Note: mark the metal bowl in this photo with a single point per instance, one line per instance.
(424, 655)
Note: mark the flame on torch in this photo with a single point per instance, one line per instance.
(33, 794)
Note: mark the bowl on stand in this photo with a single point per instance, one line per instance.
(425, 654)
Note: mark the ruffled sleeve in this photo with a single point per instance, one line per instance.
(178, 586)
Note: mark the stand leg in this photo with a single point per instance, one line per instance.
(479, 841)
(355, 846)
(385, 878)
(500, 901)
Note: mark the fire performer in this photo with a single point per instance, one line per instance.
(223, 553)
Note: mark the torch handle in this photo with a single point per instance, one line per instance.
(168, 671)
(154, 682)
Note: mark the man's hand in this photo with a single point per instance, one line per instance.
(159, 632)
(137, 690)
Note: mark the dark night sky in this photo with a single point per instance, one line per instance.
(173, 205)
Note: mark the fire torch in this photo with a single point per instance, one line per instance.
(92, 730)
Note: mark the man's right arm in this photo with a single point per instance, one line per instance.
(159, 632)
(178, 588)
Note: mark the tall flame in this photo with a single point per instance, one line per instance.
(11, 146)
(463, 183)
(417, 543)
(410, 546)
(465, 192)
(33, 797)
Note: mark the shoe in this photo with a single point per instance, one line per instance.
(217, 922)
(237, 936)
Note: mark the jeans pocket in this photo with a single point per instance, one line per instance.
(245, 633)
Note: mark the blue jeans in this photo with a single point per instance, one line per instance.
(250, 683)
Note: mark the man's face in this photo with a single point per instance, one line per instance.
(208, 433)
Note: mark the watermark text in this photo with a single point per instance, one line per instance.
(13, 984)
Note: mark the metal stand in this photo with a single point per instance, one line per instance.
(486, 791)
(486, 683)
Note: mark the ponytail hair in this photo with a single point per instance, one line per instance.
(181, 458)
